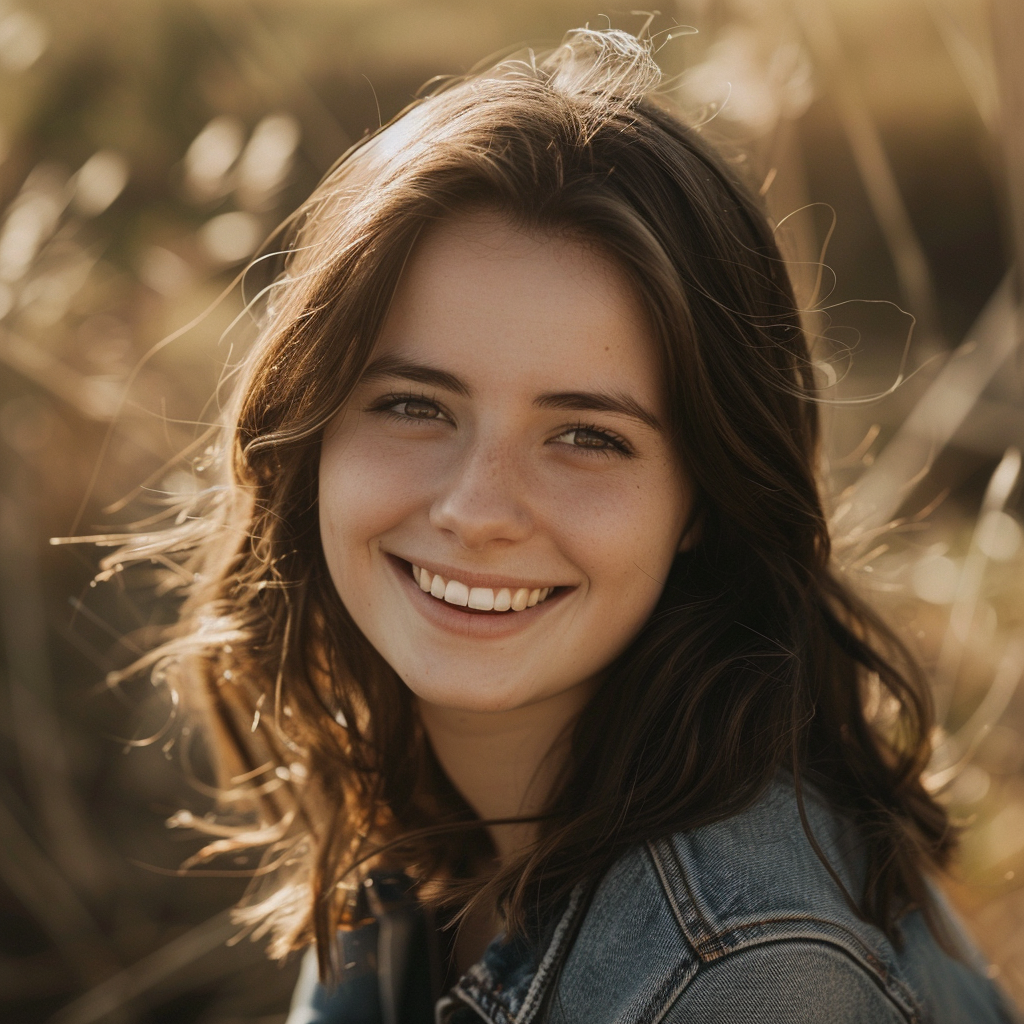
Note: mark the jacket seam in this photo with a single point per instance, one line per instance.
(714, 944)
(843, 939)
(535, 993)
(907, 1009)
(499, 1011)
(708, 945)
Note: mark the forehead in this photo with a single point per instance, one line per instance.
(520, 308)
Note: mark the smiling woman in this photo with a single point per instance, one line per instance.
(491, 482)
(513, 622)
(499, 552)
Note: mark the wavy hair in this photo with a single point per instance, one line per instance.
(755, 661)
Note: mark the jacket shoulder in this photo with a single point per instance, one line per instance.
(757, 874)
(669, 909)
(689, 916)
(793, 981)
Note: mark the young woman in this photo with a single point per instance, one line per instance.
(514, 620)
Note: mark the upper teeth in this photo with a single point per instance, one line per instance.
(481, 598)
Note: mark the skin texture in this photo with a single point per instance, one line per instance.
(489, 479)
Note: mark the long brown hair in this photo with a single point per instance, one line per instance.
(757, 657)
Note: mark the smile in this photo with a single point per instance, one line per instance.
(483, 599)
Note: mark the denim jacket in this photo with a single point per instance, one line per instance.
(737, 922)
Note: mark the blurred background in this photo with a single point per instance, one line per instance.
(147, 147)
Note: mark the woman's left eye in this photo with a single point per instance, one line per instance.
(591, 439)
(417, 408)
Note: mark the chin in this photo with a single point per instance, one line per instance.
(469, 696)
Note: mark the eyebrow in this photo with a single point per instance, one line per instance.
(418, 373)
(598, 401)
(575, 401)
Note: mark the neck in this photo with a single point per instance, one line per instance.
(504, 762)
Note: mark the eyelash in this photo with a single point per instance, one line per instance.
(618, 445)
(385, 404)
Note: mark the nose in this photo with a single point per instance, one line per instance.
(484, 500)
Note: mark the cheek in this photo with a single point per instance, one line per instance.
(636, 560)
(625, 537)
(365, 489)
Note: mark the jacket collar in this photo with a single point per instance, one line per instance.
(509, 984)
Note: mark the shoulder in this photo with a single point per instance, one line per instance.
(757, 875)
(795, 981)
(743, 908)
(753, 876)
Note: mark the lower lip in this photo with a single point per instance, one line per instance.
(479, 625)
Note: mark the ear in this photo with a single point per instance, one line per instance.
(692, 532)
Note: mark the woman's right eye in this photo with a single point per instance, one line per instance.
(408, 407)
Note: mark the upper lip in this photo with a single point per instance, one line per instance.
(479, 579)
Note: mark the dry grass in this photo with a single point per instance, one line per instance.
(149, 147)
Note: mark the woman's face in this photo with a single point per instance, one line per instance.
(504, 448)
